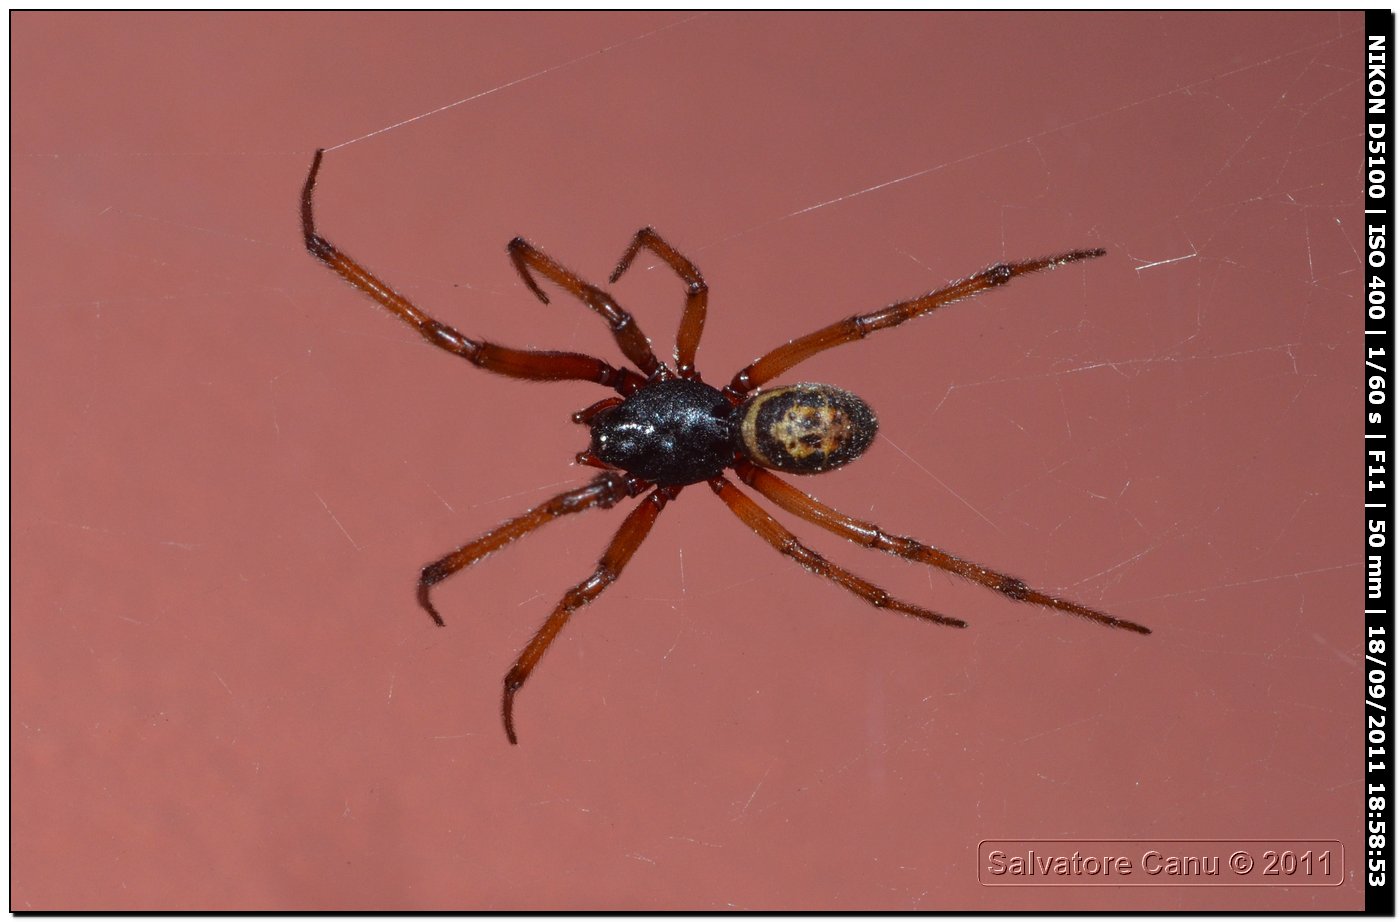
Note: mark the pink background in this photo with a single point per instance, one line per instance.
(229, 466)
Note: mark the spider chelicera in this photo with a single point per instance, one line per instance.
(668, 429)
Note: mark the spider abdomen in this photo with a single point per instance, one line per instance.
(671, 433)
(804, 428)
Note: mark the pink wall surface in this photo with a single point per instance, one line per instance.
(228, 466)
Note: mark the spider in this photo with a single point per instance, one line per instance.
(667, 429)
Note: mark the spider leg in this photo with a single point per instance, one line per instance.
(602, 492)
(630, 338)
(785, 542)
(870, 535)
(624, 544)
(515, 363)
(769, 366)
(697, 294)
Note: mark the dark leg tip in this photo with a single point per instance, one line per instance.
(1077, 255)
(423, 586)
(507, 707)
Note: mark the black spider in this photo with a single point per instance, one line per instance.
(668, 429)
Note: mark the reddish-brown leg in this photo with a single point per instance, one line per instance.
(624, 544)
(779, 360)
(786, 542)
(601, 492)
(516, 363)
(697, 294)
(868, 534)
(630, 338)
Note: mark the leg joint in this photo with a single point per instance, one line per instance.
(1013, 588)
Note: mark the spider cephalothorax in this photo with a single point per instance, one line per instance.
(667, 429)
(674, 433)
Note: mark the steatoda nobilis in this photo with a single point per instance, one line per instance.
(666, 429)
